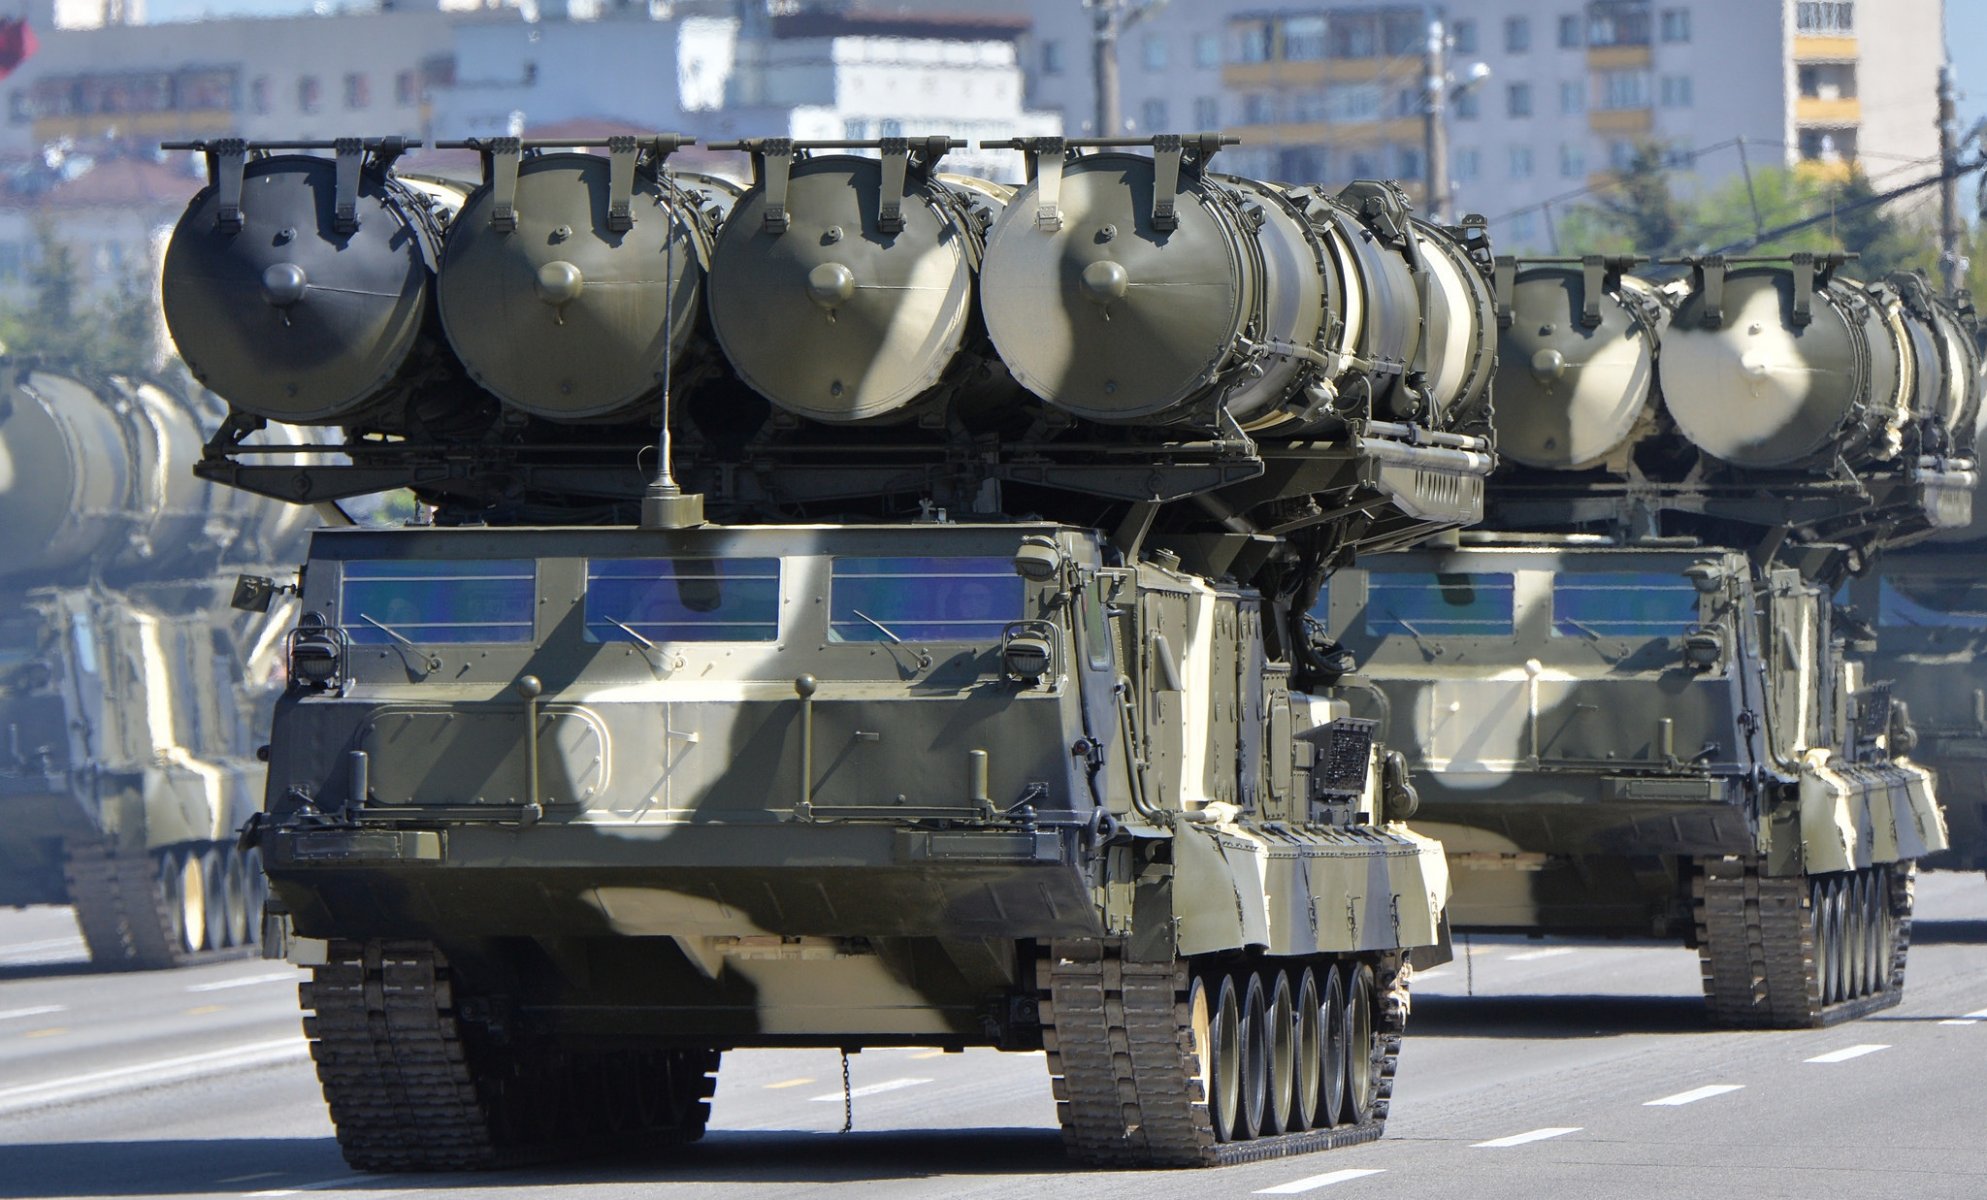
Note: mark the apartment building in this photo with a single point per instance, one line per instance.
(1333, 89)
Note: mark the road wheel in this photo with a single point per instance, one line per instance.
(1280, 1040)
(235, 896)
(255, 891)
(1306, 1050)
(1255, 1057)
(1200, 1027)
(1363, 1049)
(1225, 1061)
(1332, 1049)
(1824, 968)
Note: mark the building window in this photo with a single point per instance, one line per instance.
(1518, 100)
(1407, 163)
(1207, 50)
(258, 93)
(1521, 162)
(1618, 23)
(1828, 18)
(1302, 163)
(1621, 155)
(1153, 114)
(889, 127)
(1304, 39)
(856, 129)
(1251, 41)
(309, 93)
(1572, 97)
(1361, 164)
(1676, 25)
(1462, 36)
(1051, 58)
(1155, 53)
(1258, 108)
(1207, 112)
(1677, 92)
(1517, 35)
(1618, 90)
(1352, 103)
(1569, 33)
(1467, 166)
(406, 88)
(1465, 106)
(358, 91)
(1572, 160)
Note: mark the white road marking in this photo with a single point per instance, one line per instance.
(888, 1085)
(290, 976)
(1695, 1094)
(1533, 955)
(144, 1075)
(1847, 1053)
(37, 949)
(1431, 973)
(354, 1182)
(39, 1010)
(1310, 1182)
(1519, 1139)
(1972, 1018)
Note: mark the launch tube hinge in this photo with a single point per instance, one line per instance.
(775, 169)
(1504, 284)
(1804, 289)
(1593, 273)
(1166, 153)
(1045, 163)
(504, 155)
(1711, 278)
(890, 201)
(350, 152)
(621, 152)
(227, 160)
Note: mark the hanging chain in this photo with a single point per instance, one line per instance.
(1469, 964)
(848, 1097)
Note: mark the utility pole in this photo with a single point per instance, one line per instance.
(1110, 20)
(1435, 118)
(1952, 262)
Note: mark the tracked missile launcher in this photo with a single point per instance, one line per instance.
(1632, 704)
(862, 608)
(133, 698)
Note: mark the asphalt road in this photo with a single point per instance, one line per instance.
(1573, 1070)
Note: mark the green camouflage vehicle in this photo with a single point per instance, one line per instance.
(1635, 709)
(133, 697)
(862, 609)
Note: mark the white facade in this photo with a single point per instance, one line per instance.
(1331, 89)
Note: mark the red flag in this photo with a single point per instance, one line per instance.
(17, 42)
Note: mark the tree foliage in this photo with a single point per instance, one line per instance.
(116, 335)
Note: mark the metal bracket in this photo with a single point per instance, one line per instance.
(1711, 281)
(1166, 153)
(227, 160)
(896, 168)
(1593, 273)
(621, 153)
(350, 153)
(1804, 288)
(1503, 285)
(1045, 163)
(502, 160)
(775, 169)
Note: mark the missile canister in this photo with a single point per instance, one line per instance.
(564, 270)
(299, 287)
(1577, 361)
(843, 287)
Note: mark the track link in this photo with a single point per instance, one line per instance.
(1125, 1067)
(412, 1087)
(1756, 938)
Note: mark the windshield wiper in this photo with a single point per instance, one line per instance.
(637, 638)
(880, 625)
(430, 661)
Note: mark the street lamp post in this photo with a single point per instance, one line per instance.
(1439, 85)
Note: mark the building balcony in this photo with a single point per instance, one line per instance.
(136, 126)
(1825, 49)
(1622, 122)
(1817, 170)
(1815, 110)
(1398, 130)
(1620, 58)
(1317, 72)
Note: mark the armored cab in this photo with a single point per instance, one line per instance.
(1635, 708)
(133, 696)
(921, 660)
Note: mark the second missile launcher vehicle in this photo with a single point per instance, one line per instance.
(1632, 706)
(887, 633)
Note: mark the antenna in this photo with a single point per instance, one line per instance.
(664, 504)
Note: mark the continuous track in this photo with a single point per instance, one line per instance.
(1130, 1083)
(129, 920)
(1770, 963)
(412, 1087)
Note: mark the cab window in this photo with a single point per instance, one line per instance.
(436, 602)
(1635, 604)
(923, 599)
(683, 599)
(1932, 604)
(1460, 605)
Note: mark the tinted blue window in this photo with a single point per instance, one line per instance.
(1462, 605)
(470, 600)
(1933, 604)
(1632, 604)
(923, 599)
(683, 600)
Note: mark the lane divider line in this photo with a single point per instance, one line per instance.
(39, 1010)
(1313, 1182)
(290, 976)
(787, 1083)
(1847, 1053)
(143, 1075)
(1972, 1018)
(1535, 955)
(888, 1085)
(1695, 1094)
(1519, 1139)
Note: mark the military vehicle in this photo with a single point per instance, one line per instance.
(1635, 708)
(860, 609)
(133, 696)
